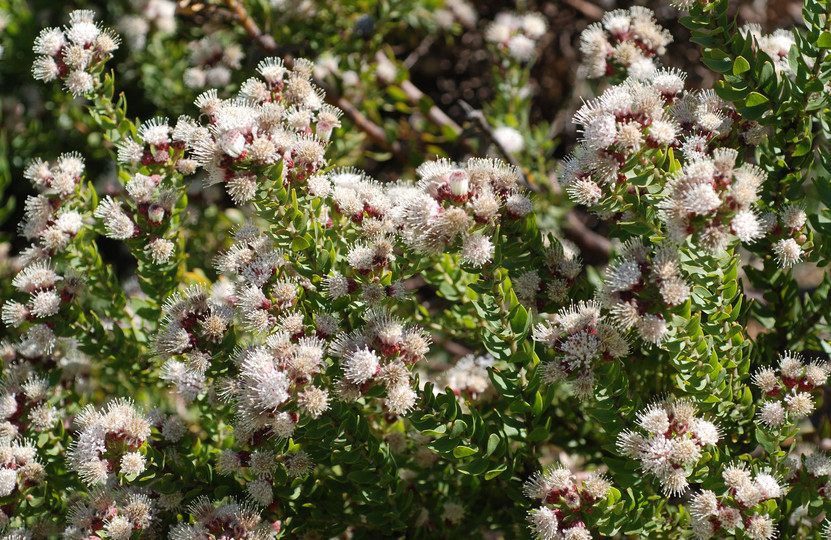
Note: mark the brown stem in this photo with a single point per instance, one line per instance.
(415, 96)
(588, 9)
(372, 130)
(265, 41)
(478, 117)
(594, 248)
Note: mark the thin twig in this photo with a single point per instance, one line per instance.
(372, 130)
(587, 8)
(594, 248)
(415, 96)
(266, 41)
(419, 51)
(479, 117)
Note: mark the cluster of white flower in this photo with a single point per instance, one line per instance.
(51, 219)
(452, 206)
(673, 443)
(151, 203)
(271, 379)
(19, 467)
(172, 427)
(52, 222)
(116, 514)
(579, 338)
(381, 351)
(456, 10)
(560, 268)
(157, 14)
(736, 508)
(271, 121)
(223, 519)
(23, 402)
(193, 325)
(212, 60)
(776, 45)
(283, 372)
(710, 198)
(815, 465)
(38, 350)
(785, 230)
(461, 203)
(40, 282)
(108, 443)
(74, 54)
(637, 115)
(159, 145)
(642, 286)
(625, 43)
(616, 126)
(787, 394)
(469, 376)
(563, 502)
(259, 463)
(517, 35)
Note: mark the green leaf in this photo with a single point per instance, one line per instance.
(299, 244)
(538, 434)
(463, 452)
(493, 473)
(740, 65)
(475, 467)
(520, 320)
(824, 40)
(767, 440)
(363, 477)
(755, 99)
(493, 443)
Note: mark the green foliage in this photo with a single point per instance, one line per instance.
(250, 279)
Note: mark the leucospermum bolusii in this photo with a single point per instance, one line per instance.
(277, 118)
(669, 442)
(109, 443)
(642, 287)
(625, 43)
(577, 339)
(115, 513)
(809, 468)
(297, 350)
(277, 125)
(19, 466)
(713, 199)
(550, 284)
(226, 517)
(565, 502)
(740, 507)
(74, 54)
(460, 205)
(516, 35)
(625, 119)
(52, 220)
(469, 377)
(786, 392)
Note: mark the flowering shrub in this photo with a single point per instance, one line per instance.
(241, 333)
